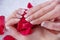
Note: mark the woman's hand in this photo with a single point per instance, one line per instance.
(11, 21)
(46, 11)
(15, 17)
(39, 33)
(52, 25)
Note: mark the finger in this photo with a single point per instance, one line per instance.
(20, 11)
(13, 32)
(34, 9)
(12, 21)
(51, 15)
(51, 25)
(42, 11)
(16, 14)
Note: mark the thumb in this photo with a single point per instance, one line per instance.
(12, 21)
(13, 32)
(51, 25)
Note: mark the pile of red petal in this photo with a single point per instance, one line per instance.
(2, 24)
(8, 37)
(25, 27)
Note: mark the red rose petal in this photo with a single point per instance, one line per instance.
(1, 30)
(29, 5)
(26, 31)
(2, 24)
(25, 27)
(8, 37)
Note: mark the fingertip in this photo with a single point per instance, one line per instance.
(17, 19)
(27, 19)
(18, 16)
(26, 16)
(28, 13)
(7, 28)
(21, 11)
(44, 24)
(32, 23)
(47, 24)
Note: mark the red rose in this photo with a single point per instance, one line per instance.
(2, 24)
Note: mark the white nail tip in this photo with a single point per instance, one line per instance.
(43, 24)
(31, 22)
(21, 12)
(25, 16)
(26, 19)
(20, 16)
(7, 28)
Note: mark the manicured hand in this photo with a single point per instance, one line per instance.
(43, 12)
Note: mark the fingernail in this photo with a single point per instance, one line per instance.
(7, 28)
(18, 16)
(31, 22)
(25, 16)
(21, 12)
(44, 24)
(26, 19)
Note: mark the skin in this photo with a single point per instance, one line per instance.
(16, 16)
(40, 33)
(45, 12)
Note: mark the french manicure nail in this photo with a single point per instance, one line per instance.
(26, 19)
(25, 16)
(31, 22)
(7, 28)
(44, 24)
(22, 12)
(18, 16)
